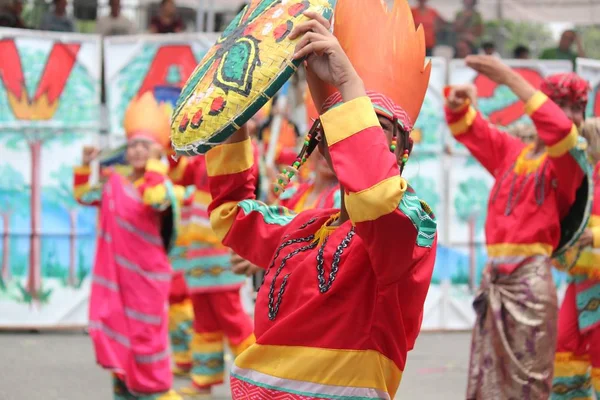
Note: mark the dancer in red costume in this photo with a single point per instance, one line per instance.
(536, 193)
(214, 288)
(376, 253)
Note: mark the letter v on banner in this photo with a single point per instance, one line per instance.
(55, 74)
(168, 56)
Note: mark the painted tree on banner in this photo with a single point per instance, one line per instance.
(12, 187)
(62, 193)
(63, 91)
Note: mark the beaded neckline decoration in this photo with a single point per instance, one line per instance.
(529, 168)
(312, 241)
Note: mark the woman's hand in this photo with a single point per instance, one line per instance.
(586, 239)
(240, 266)
(325, 57)
(239, 136)
(460, 94)
(89, 154)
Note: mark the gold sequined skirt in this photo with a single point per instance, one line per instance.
(514, 338)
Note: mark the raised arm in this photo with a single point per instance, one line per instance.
(380, 204)
(561, 138)
(156, 189)
(250, 228)
(485, 142)
(84, 193)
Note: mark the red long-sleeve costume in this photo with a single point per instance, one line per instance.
(349, 336)
(530, 196)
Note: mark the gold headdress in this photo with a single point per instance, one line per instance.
(146, 118)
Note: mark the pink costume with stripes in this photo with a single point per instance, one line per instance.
(131, 278)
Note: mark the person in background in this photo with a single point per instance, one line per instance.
(10, 14)
(489, 49)
(431, 21)
(536, 186)
(525, 132)
(167, 20)
(521, 52)
(463, 49)
(469, 23)
(564, 50)
(115, 23)
(131, 277)
(56, 19)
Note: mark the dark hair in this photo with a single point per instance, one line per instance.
(163, 2)
(488, 45)
(520, 51)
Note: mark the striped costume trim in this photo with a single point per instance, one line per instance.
(105, 283)
(110, 333)
(148, 237)
(255, 381)
(157, 276)
(274, 215)
(152, 358)
(383, 105)
(421, 216)
(143, 317)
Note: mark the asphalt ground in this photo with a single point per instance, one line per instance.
(60, 366)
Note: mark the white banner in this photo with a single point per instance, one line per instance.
(140, 63)
(590, 70)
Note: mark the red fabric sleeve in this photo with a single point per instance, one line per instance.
(389, 218)
(485, 142)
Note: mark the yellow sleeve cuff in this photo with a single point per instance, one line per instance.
(462, 125)
(347, 119)
(535, 102)
(230, 158)
(157, 166)
(596, 237)
(82, 170)
(565, 144)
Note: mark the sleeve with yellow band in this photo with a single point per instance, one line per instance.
(566, 150)
(380, 206)
(82, 190)
(153, 187)
(553, 127)
(596, 237)
(234, 212)
(485, 142)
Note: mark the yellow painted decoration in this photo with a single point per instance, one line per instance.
(240, 73)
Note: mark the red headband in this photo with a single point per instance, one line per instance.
(567, 86)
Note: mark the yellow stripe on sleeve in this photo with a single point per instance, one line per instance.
(222, 217)
(376, 201)
(535, 102)
(349, 118)
(463, 125)
(80, 190)
(82, 170)
(564, 145)
(230, 158)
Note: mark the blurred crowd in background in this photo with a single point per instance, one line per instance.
(467, 33)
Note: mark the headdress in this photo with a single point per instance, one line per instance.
(566, 86)
(146, 118)
(387, 52)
